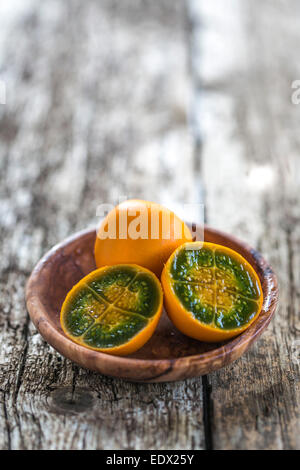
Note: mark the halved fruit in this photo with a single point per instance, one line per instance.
(211, 292)
(114, 309)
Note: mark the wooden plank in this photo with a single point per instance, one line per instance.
(250, 140)
(96, 108)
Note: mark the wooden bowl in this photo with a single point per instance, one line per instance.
(168, 355)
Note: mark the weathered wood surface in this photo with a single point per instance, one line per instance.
(250, 166)
(99, 96)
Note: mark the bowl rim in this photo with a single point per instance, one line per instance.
(61, 342)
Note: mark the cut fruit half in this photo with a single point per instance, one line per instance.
(114, 309)
(211, 292)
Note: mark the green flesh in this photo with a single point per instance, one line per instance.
(190, 296)
(112, 283)
(215, 287)
(229, 266)
(113, 307)
(116, 327)
(141, 297)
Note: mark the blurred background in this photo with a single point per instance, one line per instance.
(156, 100)
(173, 101)
(97, 106)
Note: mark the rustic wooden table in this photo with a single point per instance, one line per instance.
(173, 101)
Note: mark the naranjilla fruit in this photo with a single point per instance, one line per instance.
(114, 309)
(211, 293)
(139, 232)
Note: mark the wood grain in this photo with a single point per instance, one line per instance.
(251, 168)
(88, 103)
(102, 88)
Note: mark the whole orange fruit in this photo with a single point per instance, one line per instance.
(139, 232)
